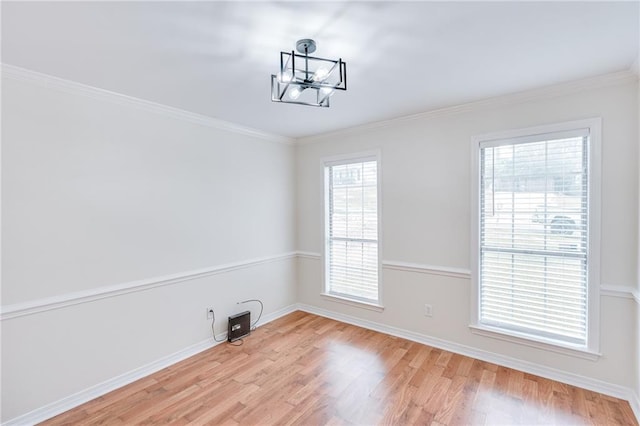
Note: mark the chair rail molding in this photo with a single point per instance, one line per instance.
(69, 299)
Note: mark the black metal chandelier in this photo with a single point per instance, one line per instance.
(307, 80)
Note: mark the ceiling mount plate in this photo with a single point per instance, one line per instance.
(306, 45)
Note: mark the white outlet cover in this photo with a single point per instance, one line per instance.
(428, 310)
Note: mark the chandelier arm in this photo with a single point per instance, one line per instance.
(284, 91)
(335, 64)
(325, 98)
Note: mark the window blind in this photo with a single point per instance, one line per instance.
(534, 210)
(352, 230)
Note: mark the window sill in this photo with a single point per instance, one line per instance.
(540, 343)
(353, 302)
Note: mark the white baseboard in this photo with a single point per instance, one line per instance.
(595, 385)
(634, 401)
(53, 409)
(65, 404)
(277, 314)
(50, 410)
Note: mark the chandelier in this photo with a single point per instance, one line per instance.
(307, 80)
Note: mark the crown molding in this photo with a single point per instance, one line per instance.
(72, 87)
(547, 92)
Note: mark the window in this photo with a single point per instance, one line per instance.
(535, 268)
(351, 229)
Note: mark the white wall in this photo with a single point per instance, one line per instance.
(426, 217)
(637, 294)
(100, 191)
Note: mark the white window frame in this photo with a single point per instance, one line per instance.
(592, 347)
(336, 161)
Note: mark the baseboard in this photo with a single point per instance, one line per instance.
(595, 385)
(50, 410)
(277, 314)
(65, 404)
(634, 401)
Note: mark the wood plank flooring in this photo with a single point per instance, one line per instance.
(304, 369)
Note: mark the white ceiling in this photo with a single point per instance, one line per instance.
(215, 58)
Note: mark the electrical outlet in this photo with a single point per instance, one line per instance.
(428, 311)
(209, 313)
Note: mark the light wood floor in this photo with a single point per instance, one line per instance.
(308, 370)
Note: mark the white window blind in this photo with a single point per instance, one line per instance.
(352, 230)
(534, 208)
